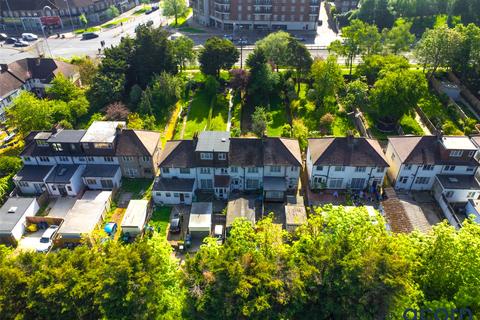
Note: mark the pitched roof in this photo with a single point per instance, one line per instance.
(246, 152)
(341, 151)
(421, 150)
(137, 143)
(178, 153)
(281, 151)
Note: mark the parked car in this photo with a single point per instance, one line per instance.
(242, 42)
(228, 37)
(11, 40)
(3, 36)
(110, 228)
(175, 224)
(218, 233)
(155, 8)
(46, 240)
(29, 37)
(89, 35)
(21, 43)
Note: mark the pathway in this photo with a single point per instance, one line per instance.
(230, 105)
(422, 125)
(184, 124)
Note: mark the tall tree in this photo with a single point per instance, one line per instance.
(28, 113)
(399, 38)
(183, 51)
(466, 56)
(275, 46)
(174, 8)
(299, 58)
(217, 54)
(260, 120)
(327, 79)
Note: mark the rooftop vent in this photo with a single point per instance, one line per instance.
(12, 209)
(453, 179)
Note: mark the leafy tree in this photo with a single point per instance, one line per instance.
(399, 38)
(262, 81)
(373, 66)
(87, 68)
(9, 165)
(217, 54)
(145, 107)
(135, 96)
(359, 38)
(466, 56)
(116, 111)
(174, 8)
(260, 120)
(28, 113)
(436, 47)
(327, 79)
(356, 94)
(287, 131)
(183, 51)
(396, 93)
(299, 58)
(166, 90)
(376, 12)
(112, 12)
(300, 132)
(211, 86)
(83, 20)
(239, 79)
(134, 121)
(275, 47)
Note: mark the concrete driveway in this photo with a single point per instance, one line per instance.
(30, 241)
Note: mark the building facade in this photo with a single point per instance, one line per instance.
(214, 162)
(257, 14)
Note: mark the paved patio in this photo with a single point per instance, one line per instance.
(421, 209)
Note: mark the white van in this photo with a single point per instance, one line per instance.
(29, 36)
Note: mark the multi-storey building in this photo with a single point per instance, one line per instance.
(345, 163)
(31, 74)
(63, 162)
(214, 162)
(345, 5)
(257, 14)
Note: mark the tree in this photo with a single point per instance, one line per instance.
(466, 57)
(396, 93)
(356, 94)
(435, 48)
(9, 165)
(262, 80)
(116, 111)
(376, 12)
(174, 8)
(239, 79)
(83, 20)
(399, 38)
(135, 96)
(28, 113)
(87, 68)
(275, 47)
(327, 79)
(300, 132)
(359, 38)
(217, 54)
(299, 58)
(260, 120)
(183, 51)
(373, 66)
(112, 12)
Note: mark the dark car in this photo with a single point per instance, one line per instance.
(155, 8)
(89, 35)
(299, 38)
(11, 40)
(242, 42)
(3, 36)
(21, 43)
(175, 224)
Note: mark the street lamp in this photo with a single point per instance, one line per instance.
(70, 14)
(43, 30)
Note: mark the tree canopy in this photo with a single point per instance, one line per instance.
(217, 54)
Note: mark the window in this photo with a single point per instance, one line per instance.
(64, 159)
(108, 159)
(456, 153)
(91, 181)
(44, 159)
(224, 170)
(132, 172)
(471, 153)
(57, 146)
(81, 159)
(275, 169)
(360, 169)
(470, 169)
(294, 168)
(204, 170)
(335, 183)
(403, 179)
(184, 170)
(206, 156)
(53, 187)
(176, 194)
(471, 195)
(127, 158)
(146, 158)
(158, 194)
(252, 170)
(69, 188)
(23, 184)
(449, 168)
(167, 194)
(91, 159)
(166, 170)
(449, 194)
(252, 183)
(26, 159)
(206, 184)
(319, 168)
(85, 146)
(422, 180)
(233, 169)
(428, 167)
(187, 195)
(222, 156)
(408, 167)
(380, 169)
(338, 168)
(42, 143)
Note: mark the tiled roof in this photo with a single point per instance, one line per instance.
(246, 152)
(346, 151)
(281, 151)
(137, 143)
(178, 153)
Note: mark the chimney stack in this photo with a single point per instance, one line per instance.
(3, 67)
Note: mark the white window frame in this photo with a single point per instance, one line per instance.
(222, 156)
(206, 156)
(456, 153)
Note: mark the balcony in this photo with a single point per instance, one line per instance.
(263, 3)
(222, 8)
(263, 10)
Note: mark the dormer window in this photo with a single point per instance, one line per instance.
(206, 156)
(57, 146)
(42, 143)
(456, 153)
(222, 156)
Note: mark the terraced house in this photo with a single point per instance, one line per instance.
(214, 162)
(64, 162)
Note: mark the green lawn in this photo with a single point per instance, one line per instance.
(91, 29)
(114, 23)
(142, 10)
(219, 118)
(279, 117)
(181, 20)
(411, 126)
(439, 114)
(198, 115)
(341, 125)
(160, 219)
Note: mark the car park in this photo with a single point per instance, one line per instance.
(29, 37)
(21, 43)
(46, 240)
(89, 35)
(3, 36)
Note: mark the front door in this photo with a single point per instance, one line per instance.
(62, 190)
(182, 198)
